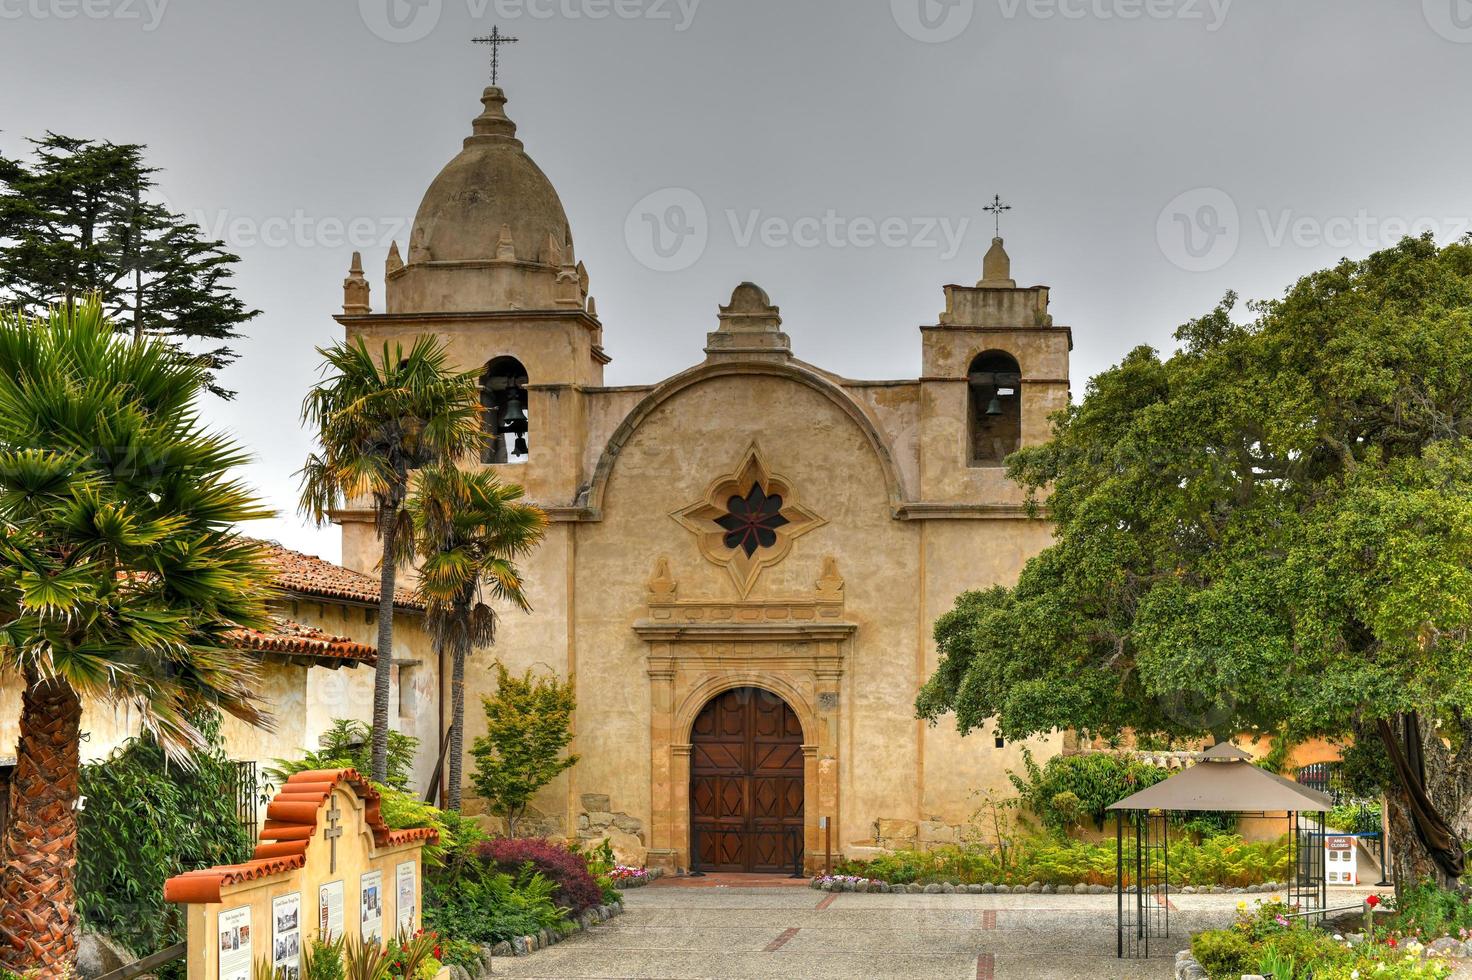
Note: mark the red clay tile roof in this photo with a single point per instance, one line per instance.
(293, 639)
(313, 576)
(291, 826)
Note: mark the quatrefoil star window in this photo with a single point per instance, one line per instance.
(748, 520)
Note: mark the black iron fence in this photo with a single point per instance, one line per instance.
(791, 838)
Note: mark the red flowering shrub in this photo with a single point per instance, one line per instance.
(577, 889)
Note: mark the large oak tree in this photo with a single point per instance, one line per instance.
(1269, 531)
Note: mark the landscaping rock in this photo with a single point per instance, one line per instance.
(502, 948)
(1447, 946)
(457, 973)
(947, 888)
(988, 889)
(96, 955)
(1065, 889)
(932, 889)
(1050, 889)
(521, 945)
(1035, 888)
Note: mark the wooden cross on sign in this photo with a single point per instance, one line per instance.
(333, 831)
(495, 39)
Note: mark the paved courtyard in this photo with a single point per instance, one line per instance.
(672, 930)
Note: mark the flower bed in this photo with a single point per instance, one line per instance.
(1265, 940)
(624, 876)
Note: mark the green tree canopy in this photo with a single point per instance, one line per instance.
(1268, 531)
(122, 578)
(78, 221)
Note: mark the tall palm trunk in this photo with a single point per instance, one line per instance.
(457, 725)
(383, 673)
(38, 852)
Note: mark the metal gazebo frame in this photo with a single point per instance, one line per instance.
(1223, 780)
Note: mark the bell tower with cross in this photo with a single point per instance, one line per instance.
(995, 367)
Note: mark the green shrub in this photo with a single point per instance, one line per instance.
(1309, 950)
(1225, 860)
(1224, 953)
(484, 906)
(1071, 788)
(1355, 818)
(146, 820)
(348, 745)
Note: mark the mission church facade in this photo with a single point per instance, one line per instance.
(746, 559)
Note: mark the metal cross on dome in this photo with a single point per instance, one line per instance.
(495, 39)
(996, 208)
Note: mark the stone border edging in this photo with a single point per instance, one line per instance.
(846, 884)
(1188, 968)
(526, 945)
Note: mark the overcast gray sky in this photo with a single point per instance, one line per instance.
(838, 152)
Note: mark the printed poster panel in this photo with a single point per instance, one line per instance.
(371, 905)
(286, 936)
(404, 905)
(236, 962)
(331, 899)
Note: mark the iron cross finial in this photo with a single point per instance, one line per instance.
(495, 39)
(996, 208)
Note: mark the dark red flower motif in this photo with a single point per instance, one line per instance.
(1373, 901)
(752, 521)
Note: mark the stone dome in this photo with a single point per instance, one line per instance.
(491, 187)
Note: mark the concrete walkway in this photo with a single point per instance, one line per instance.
(672, 930)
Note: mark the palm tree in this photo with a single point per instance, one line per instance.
(120, 576)
(471, 529)
(377, 421)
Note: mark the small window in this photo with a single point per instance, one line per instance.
(503, 396)
(994, 409)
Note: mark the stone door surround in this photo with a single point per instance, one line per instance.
(796, 648)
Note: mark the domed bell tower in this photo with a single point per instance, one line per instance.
(491, 270)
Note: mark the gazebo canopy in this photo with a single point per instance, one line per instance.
(1226, 779)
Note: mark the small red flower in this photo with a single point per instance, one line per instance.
(437, 954)
(1391, 942)
(1373, 901)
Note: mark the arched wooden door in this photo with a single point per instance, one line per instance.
(746, 783)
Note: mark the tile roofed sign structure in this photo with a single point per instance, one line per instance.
(326, 866)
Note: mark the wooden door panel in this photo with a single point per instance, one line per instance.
(746, 783)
